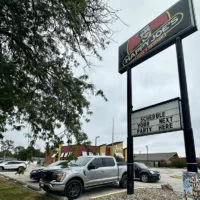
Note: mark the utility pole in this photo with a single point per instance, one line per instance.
(96, 140)
(113, 132)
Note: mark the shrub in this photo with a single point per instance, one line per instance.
(179, 163)
(118, 159)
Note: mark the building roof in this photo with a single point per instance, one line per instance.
(154, 156)
(114, 143)
(102, 145)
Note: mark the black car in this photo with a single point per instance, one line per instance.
(36, 173)
(144, 173)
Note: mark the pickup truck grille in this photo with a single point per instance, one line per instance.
(47, 176)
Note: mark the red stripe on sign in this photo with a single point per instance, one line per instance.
(162, 19)
(133, 43)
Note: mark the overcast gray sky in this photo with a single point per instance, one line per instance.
(153, 81)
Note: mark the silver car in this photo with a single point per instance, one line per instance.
(12, 165)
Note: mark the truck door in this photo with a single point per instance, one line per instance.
(110, 170)
(94, 172)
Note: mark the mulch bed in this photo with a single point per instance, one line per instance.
(145, 194)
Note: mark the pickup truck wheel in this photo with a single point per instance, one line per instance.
(123, 182)
(73, 189)
(144, 177)
(1, 169)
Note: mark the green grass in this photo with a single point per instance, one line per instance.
(13, 191)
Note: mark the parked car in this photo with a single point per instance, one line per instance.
(144, 173)
(84, 172)
(36, 173)
(12, 165)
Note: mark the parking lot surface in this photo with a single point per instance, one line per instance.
(167, 175)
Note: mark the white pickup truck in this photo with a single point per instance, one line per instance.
(85, 172)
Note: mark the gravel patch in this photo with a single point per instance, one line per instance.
(145, 194)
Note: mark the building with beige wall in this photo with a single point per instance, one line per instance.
(116, 149)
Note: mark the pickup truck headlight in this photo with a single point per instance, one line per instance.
(152, 172)
(60, 176)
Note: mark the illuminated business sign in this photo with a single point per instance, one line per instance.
(162, 32)
(158, 118)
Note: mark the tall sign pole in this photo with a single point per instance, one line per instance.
(167, 29)
(188, 132)
(130, 182)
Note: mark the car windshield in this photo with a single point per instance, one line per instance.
(81, 161)
(142, 165)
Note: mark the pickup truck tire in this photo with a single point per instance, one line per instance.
(123, 182)
(73, 189)
(144, 177)
(1, 169)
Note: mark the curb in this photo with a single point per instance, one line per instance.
(55, 196)
(104, 195)
(20, 182)
(112, 193)
(34, 187)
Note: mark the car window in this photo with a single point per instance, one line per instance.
(9, 163)
(97, 162)
(62, 163)
(108, 162)
(80, 161)
(55, 164)
(142, 166)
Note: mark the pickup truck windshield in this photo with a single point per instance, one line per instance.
(81, 161)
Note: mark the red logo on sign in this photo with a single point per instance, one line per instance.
(146, 32)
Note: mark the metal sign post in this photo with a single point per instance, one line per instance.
(130, 182)
(167, 29)
(188, 132)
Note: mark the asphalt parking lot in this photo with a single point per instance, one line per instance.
(166, 178)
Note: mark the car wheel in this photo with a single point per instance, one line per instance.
(73, 189)
(123, 182)
(46, 189)
(144, 177)
(1, 169)
(20, 170)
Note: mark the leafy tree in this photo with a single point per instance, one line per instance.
(118, 158)
(18, 151)
(41, 45)
(6, 147)
(26, 154)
